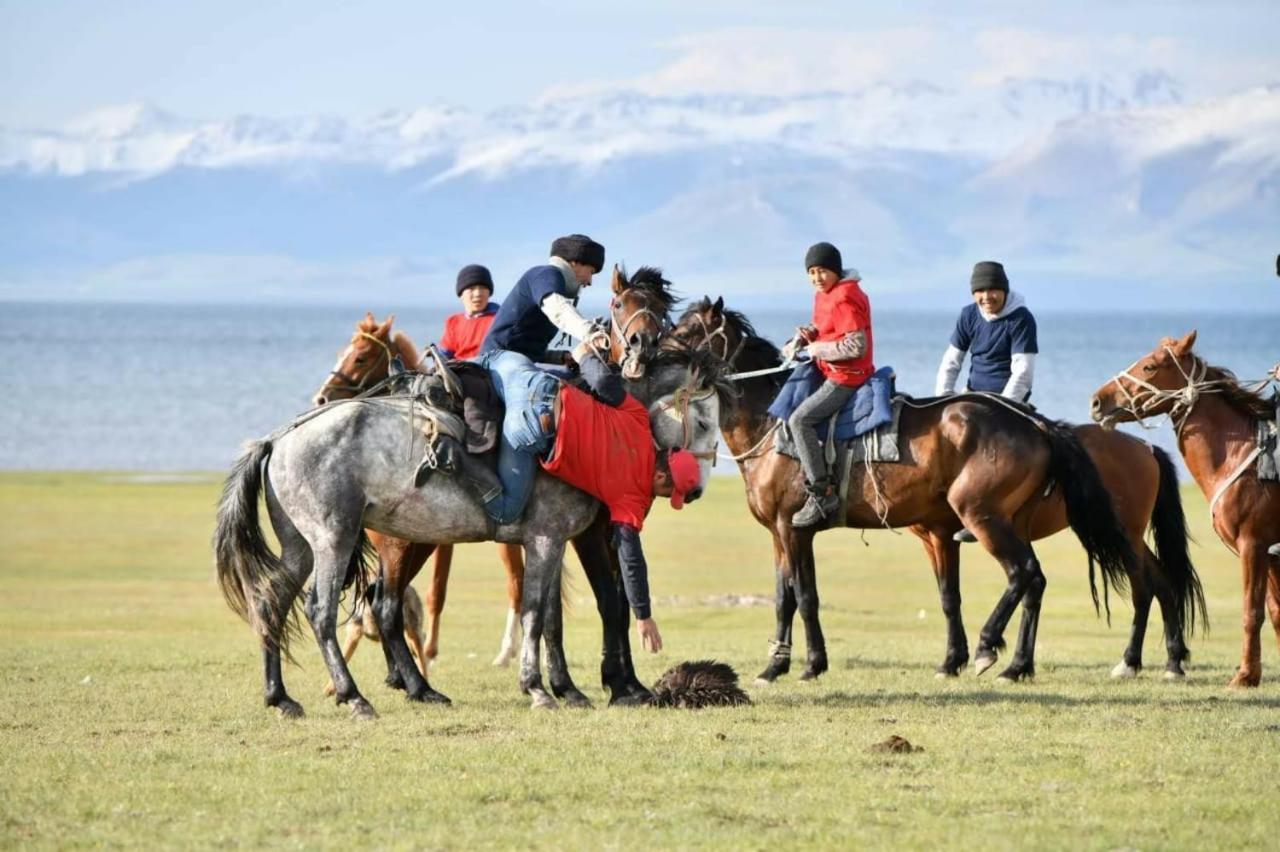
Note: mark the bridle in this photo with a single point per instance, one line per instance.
(619, 330)
(721, 331)
(1141, 402)
(677, 408)
(353, 385)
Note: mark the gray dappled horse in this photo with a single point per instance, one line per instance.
(351, 465)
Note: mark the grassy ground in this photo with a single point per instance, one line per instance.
(131, 713)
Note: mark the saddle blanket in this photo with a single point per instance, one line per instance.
(878, 445)
(867, 409)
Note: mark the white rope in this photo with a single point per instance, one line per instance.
(753, 451)
(1231, 480)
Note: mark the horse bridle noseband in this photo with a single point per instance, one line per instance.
(620, 330)
(720, 331)
(351, 384)
(678, 406)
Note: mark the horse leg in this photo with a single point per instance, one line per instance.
(944, 550)
(435, 600)
(562, 685)
(354, 633)
(331, 561)
(388, 606)
(542, 560)
(274, 694)
(512, 556)
(1173, 615)
(784, 604)
(1023, 664)
(400, 561)
(1273, 597)
(1253, 562)
(1142, 577)
(296, 555)
(1000, 540)
(799, 546)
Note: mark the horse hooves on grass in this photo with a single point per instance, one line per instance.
(1124, 670)
(542, 701)
(1244, 681)
(574, 698)
(1174, 674)
(1014, 675)
(430, 696)
(503, 660)
(981, 664)
(810, 675)
(631, 699)
(362, 710)
(290, 709)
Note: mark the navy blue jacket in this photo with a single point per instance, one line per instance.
(520, 325)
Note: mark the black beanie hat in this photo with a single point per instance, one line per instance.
(988, 275)
(473, 274)
(580, 248)
(824, 255)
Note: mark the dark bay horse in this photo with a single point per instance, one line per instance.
(1214, 419)
(344, 467)
(969, 461)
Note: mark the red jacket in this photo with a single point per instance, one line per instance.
(463, 334)
(840, 310)
(607, 452)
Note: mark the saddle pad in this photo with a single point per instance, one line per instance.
(867, 408)
(878, 445)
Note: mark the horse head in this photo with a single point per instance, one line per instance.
(1166, 380)
(366, 359)
(708, 326)
(638, 315)
(687, 397)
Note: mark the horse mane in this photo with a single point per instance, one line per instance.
(649, 280)
(1247, 402)
(710, 369)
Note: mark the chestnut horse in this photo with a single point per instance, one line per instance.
(970, 461)
(639, 313)
(1214, 419)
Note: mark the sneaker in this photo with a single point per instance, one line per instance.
(964, 537)
(1274, 549)
(816, 509)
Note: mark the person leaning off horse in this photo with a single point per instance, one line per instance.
(999, 331)
(465, 332)
(542, 302)
(839, 342)
(601, 443)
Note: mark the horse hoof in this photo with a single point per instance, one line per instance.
(363, 710)
(1174, 674)
(430, 696)
(289, 709)
(574, 698)
(1124, 670)
(503, 660)
(542, 701)
(1013, 675)
(982, 663)
(810, 675)
(1243, 681)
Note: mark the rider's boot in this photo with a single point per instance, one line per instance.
(1274, 549)
(823, 502)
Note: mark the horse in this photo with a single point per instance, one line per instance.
(639, 313)
(339, 469)
(970, 461)
(1214, 421)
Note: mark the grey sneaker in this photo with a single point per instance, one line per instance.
(815, 509)
(1274, 549)
(964, 537)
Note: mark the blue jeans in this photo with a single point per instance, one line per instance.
(528, 393)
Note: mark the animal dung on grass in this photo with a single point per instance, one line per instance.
(896, 745)
(699, 683)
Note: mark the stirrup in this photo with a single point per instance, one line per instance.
(441, 455)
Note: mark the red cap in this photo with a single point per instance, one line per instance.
(685, 475)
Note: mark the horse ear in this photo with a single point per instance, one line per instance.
(718, 307)
(1184, 345)
(619, 280)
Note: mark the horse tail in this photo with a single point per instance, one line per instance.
(254, 581)
(1169, 529)
(1089, 511)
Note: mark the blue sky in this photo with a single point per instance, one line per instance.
(214, 59)
(237, 150)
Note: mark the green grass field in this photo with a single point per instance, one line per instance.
(132, 713)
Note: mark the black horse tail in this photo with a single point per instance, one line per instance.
(1089, 511)
(1169, 529)
(254, 580)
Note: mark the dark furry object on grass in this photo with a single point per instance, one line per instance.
(700, 683)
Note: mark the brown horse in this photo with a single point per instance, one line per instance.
(1214, 419)
(639, 313)
(970, 460)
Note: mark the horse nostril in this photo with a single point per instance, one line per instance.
(319, 400)
(693, 495)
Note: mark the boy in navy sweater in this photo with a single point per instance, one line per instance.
(1000, 333)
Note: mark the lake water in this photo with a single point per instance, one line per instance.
(179, 388)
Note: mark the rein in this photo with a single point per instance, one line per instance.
(677, 408)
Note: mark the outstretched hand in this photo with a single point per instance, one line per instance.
(650, 638)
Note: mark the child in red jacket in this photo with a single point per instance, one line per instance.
(839, 342)
(464, 332)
